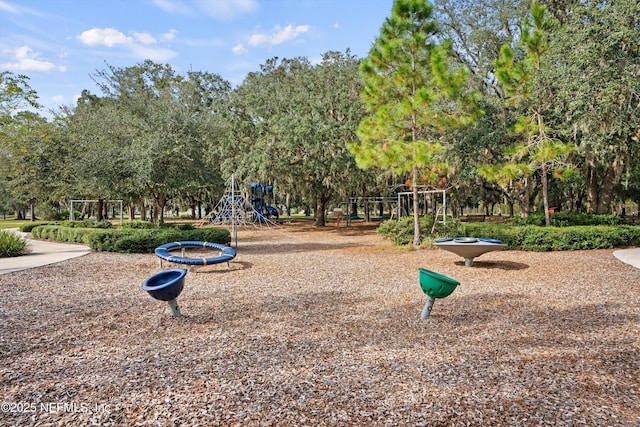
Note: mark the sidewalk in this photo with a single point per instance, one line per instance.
(629, 256)
(41, 253)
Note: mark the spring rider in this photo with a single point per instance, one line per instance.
(435, 285)
(166, 286)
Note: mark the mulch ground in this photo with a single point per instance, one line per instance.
(322, 327)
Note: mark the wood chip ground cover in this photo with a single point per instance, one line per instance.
(322, 327)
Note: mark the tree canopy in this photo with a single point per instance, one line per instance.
(490, 100)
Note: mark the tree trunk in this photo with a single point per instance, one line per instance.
(600, 194)
(318, 213)
(288, 204)
(525, 205)
(416, 208)
(321, 204)
(162, 202)
(609, 180)
(354, 206)
(545, 194)
(511, 207)
(32, 211)
(605, 193)
(100, 210)
(592, 183)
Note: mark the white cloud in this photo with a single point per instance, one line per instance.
(27, 60)
(153, 53)
(227, 9)
(170, 35)
(278, 35)
(104, 37)
(22, 52)
(6, 7)
(142, 45)
(144, 38)
(172, 6)
(239, 49)
(57, 98)
(336, 25)
(18, 9)
(29, 64)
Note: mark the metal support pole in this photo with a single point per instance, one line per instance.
(234, 221)
(175, 310)
(426, 311)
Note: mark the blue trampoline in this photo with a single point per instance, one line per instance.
(225, 253)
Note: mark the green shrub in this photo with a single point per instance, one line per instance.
(146, 241)
(536, 238)
(568, 219)
(87, 223)
(128, 240)
(525, 237)
(45, 232)
(400, 232)
(26, 228)
(11, 244)
(186, 227)
(145, 225)
(104, 240)
(137, 225)
(73, 235)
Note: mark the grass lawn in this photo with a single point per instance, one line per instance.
(12, 223)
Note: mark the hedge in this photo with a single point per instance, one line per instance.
(400, 232)
(536, 238)
(128, 240)
(520, 237)
(26, 228)
(568, 219)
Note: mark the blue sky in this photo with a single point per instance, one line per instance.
(59, 44)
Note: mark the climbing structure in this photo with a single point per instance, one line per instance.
(235, 208)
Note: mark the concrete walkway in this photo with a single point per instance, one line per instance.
(40, 253)
(629, 256)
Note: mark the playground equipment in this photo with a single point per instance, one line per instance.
(261, 195)
(235, 208)
(469, 247)
(167, 286)
(225, 253)
(369, 205)
(435, 285)
(405, 199)
(402, 203)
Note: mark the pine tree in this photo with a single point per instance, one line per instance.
(522, 79)
(412, 96)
